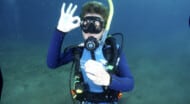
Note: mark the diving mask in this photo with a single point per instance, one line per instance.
(92, 24)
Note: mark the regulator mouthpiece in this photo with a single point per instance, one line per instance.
(91, 43)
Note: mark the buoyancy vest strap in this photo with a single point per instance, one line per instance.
(92, 55)
(111, 54)
(77, 54)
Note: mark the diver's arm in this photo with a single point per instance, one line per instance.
(124, 82)
(66, 23)
(54, 57)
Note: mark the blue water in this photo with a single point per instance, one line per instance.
(157, 46)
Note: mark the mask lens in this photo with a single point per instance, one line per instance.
(92, 24)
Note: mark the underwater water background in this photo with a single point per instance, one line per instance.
(157, 46)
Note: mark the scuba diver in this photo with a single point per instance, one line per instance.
(101, 71)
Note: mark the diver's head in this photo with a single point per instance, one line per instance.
(93, 19)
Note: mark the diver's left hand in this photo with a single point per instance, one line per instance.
(97, 73)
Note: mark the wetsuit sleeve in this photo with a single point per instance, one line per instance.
(55, 58)
(123, 81)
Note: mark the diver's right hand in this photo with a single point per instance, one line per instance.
(67, 21)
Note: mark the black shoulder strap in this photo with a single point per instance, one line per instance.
(77, 53)
(111, 52)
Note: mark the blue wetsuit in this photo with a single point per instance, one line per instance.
(123, 81)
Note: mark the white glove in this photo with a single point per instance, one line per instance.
(67, 21)
(97, 73)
